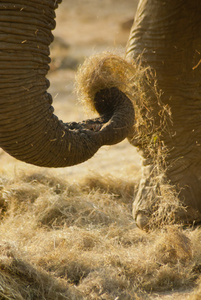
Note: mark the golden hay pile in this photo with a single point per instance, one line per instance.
(64, 240)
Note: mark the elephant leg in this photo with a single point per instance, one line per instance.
(166, 41)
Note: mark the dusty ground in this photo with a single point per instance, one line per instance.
(86, 27)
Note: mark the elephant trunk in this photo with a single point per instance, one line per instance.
(29, 130)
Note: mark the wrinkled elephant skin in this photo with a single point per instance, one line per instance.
(29, 130)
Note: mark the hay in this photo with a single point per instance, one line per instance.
(21, 280)
(59, 245)
(166, 206)
(106, 70)
(123, 189)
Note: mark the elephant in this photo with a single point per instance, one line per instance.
(162, 121)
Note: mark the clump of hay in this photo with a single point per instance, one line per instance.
(106, 70)
(173, 246)
(20, 279)
(62, 210)
(123, 189)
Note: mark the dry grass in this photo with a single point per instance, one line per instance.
(74, 238)
(78, 241)
(106, 70)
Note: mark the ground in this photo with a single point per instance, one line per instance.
(68, 233)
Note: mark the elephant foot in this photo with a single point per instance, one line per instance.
(184, 216)
(158, 204)
(142, 220)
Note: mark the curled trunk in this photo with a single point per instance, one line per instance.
(29, 130)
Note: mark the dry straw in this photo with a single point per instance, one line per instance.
(55, 245)
(106, 70)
